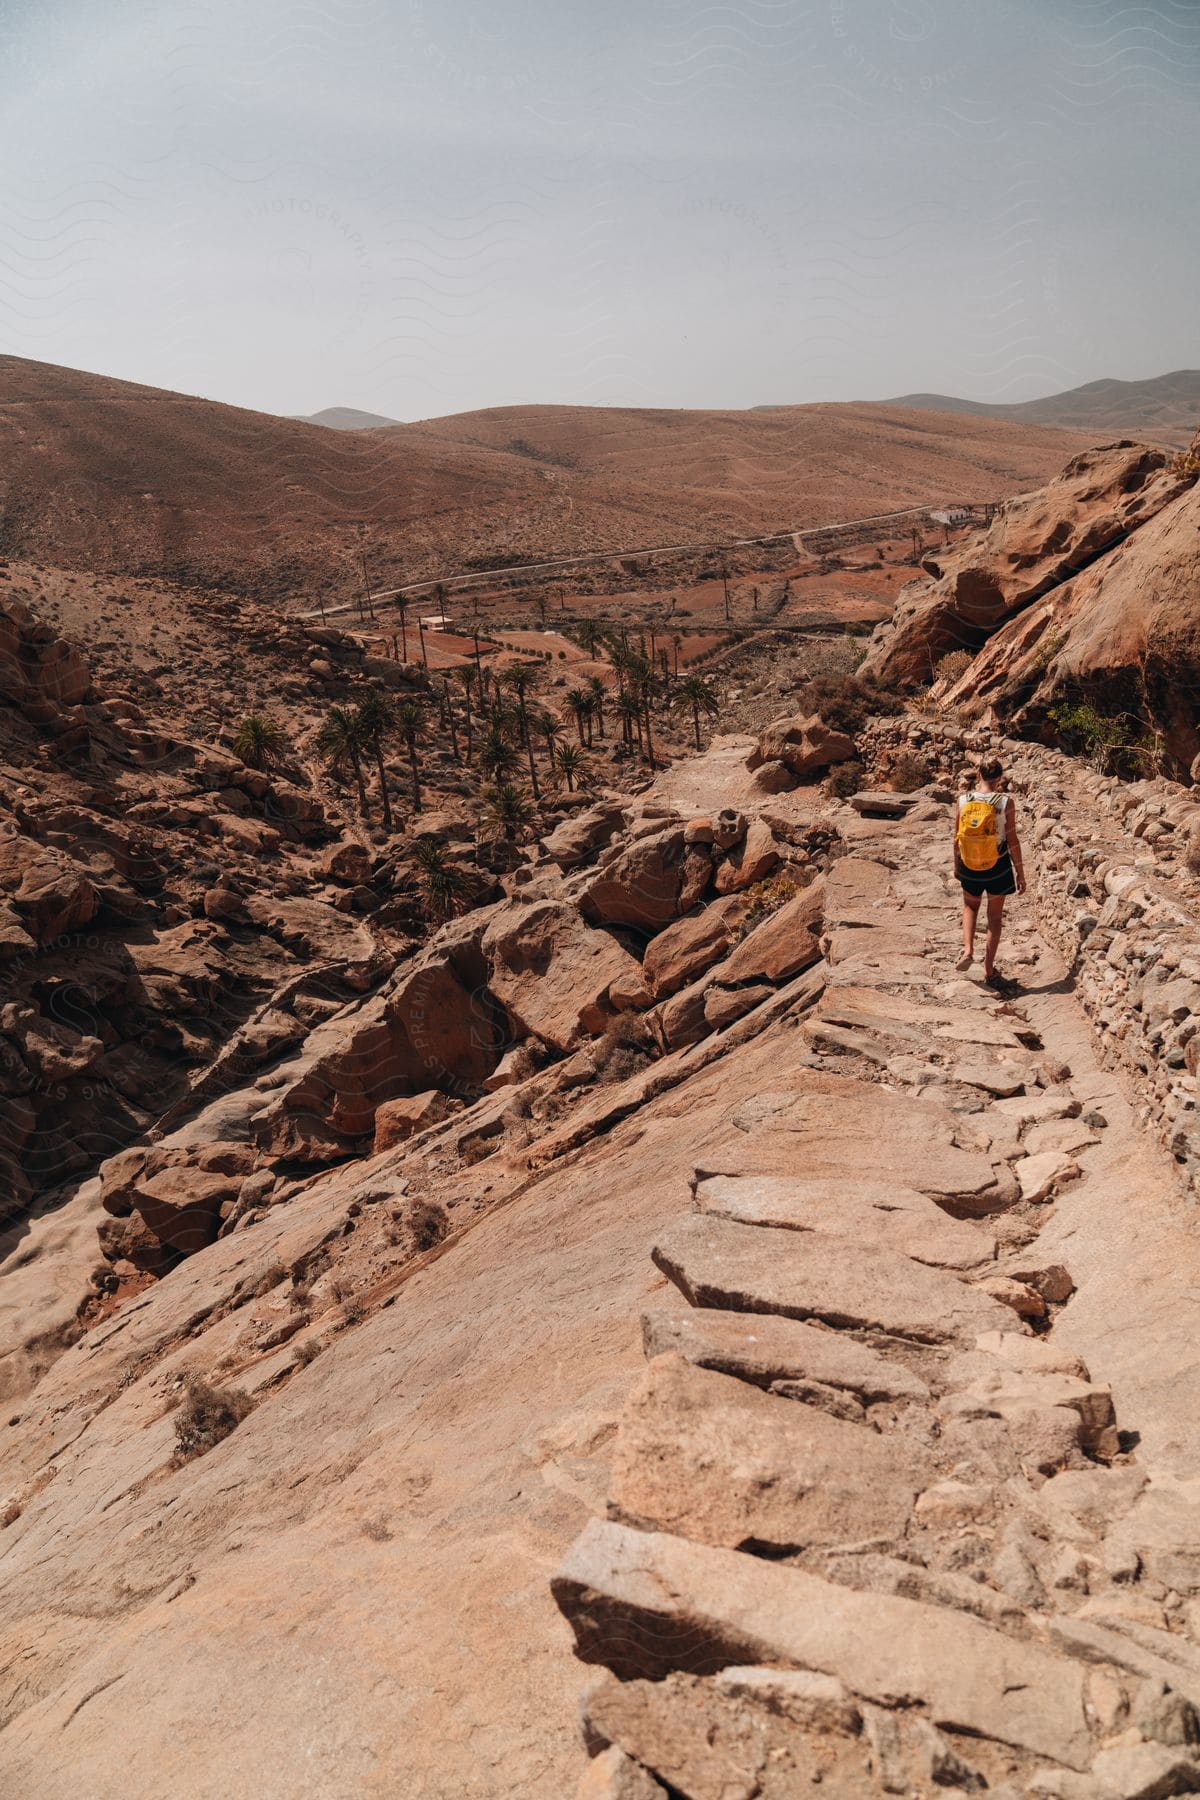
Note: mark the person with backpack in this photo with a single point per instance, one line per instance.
(987, 860)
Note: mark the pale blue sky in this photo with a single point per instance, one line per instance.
(424, 206)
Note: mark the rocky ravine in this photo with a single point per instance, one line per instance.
(903, 1494)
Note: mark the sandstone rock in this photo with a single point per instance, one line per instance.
(805, 1275)
(572, 843)
(647, 1603)
(758, 855)
(50, 893)
(710, 1742)
(640, 886)
(398, 1120)
(721, 1462)
(873, 1212)
(782, 944)
(690, 946)
(765, 1348)
(724, 1006)
(1035, 544)
(551, 972)
(614, 1776)
(684, 1019)
(805, 746)
(1025, 1301)
(182, 1205)
(1041, 1176)
(1146, 1771)
(348, 862)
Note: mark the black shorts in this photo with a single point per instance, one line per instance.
(997, 880)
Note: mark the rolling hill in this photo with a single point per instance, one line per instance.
(116, 477)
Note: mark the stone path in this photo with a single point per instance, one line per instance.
(874, 1525)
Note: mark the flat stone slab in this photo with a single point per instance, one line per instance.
(716, 1460)
(870, 1212)
(895, 1016)
(763, 1347)
(646, 1603)
(807, 1275)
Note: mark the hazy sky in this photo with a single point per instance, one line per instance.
(423, 206)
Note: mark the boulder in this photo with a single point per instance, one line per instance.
(49, 893)
(757, 856)
(690, 946)
(780, 945)
(641, 885)
(348, 862)
(805, 746)
(552, 973)
(576, 840)
(399, 1119)
(181, 1205)
(765, 1348)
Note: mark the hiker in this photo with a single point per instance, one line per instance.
(987, 860)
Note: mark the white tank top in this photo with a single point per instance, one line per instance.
(1000, 802)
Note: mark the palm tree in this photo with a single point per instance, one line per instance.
(497, 758)
(448, 715)
(259, 742)
(410, 725)
(466, 675)
(579, 702)
(570, 762)
(588, 634)
(521, 678)
(698, 693)
(551, 729)
(598, 694)
(507, 807)
(439, 594)
(629, 711)
(341, 741)
(377, 722)
(677, 646)
(402, 609)
(446, 888)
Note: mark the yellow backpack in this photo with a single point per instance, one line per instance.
(978, 838)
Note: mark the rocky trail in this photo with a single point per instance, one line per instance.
(833, 1367)
(904, 1500)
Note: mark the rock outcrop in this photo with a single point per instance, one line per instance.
(1082, 590)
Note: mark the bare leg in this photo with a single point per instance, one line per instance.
(969, 921)
(995, 924)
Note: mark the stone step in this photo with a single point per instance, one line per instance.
(647, 1604)
(712, 1458)
(807, 1275)
(869, 1211)
(902, 1017)
(763, 1348)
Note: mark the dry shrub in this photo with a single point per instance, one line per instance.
(766, 897)
(206, 1416)
(952, 666)
(428, 1224)
(307, 1352)
(623, 1048)
(845, 780)
(844, 702)
(908, 770)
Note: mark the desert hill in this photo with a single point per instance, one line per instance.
(108, 475)
(1163, 410)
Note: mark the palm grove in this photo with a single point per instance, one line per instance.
(495, 722)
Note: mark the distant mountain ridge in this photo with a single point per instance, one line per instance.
(1165, 408)
(345, 418)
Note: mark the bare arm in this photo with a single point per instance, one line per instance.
(1014, 845)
